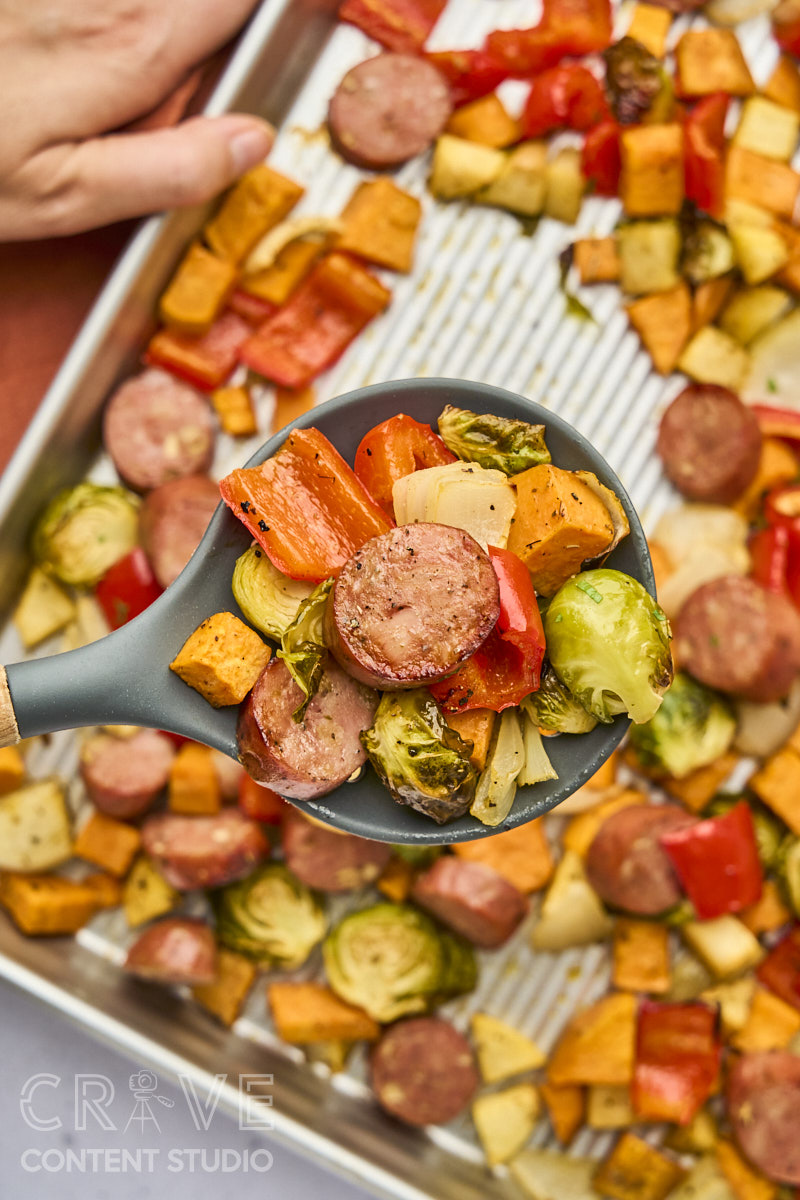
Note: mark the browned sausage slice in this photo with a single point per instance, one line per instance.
(123, 776)
(172, 520)
(734, 635)
(388, 109)
(411, 605)
(763, 1106)
(709, 443)
(625, 864)
(328, 860)
(200, 852)
(423, 1071)
(157, 428)
(311, 757)
(175, 950)
(473, 899)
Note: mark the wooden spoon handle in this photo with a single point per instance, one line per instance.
(9, 732)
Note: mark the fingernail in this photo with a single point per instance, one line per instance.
(250, 143)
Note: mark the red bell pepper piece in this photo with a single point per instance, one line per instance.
(394, 449)
(678, 1053)
(252, 309)
(520, 621)
(471, 74)
(205, 361)
(568, 29)
(786, 26)
(780, 970)
(314, 328)
(600, 158)
(769, 558)
(127, 588)
(260, 803)
(778, 422)
(563, 98)
(717, 862)
(704, 153)
(304, 506)
(400, 25)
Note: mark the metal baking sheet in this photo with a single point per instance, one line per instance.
(483, 302)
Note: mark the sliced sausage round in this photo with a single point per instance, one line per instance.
(411, 605)
(330, 861)
(763, 1103)
(172, 520)
(473, 899)
(123, 776)
(387, 110)
(625, 863)
(157, 428)
(734, 635)
(201, 852)
(709, 443)
(175, 950)
(423, 1071)
(308, 758)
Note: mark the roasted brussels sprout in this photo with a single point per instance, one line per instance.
(693, 727)
(392, 960)
(271, 917)
(303, 645)
(638, 87)
(608, 641)
(789, 868)
(423, 762)
(269, 599)
(770, 832)
(707, 251)
(504, 443)
(555, 709)
(418, 856)
(84, 530)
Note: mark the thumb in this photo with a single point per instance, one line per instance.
(124, 175)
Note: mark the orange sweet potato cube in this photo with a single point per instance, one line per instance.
(222, 659)
(711, 60)
(651, 181)
(108, 843)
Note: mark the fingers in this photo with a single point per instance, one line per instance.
(68, 189)
(170, 111)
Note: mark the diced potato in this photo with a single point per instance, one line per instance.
(760, 252)
(290, 404)
(609, 1106)
(12, 769)
(771, 1024)
(222, 659)
(689, 979)
(761, 181)
(698, 1137)
(311, 1012)
(649, 252)
(194, 786)
(108, 843)
(705, 1181)
(380, 224)
(234, 407)
(597, 259)
(485, 121)
(474, 726)
(767, 128)
(708, 300)
(146, 893)
(258, 202)
(565, 184)
(777, 784)
(44, 608)
(572, 913)
(195, 295)
(698, 787)
(641, 956)
(461, 168)
(502, 1051)
(582, 830)
(711, 60)
(505, 1120)
(740, 212)
(746, 1183)
(752, 310)
(543, 1175)
(636, 1170)
(597, 1045)
(664, 323)
(651, 181)
(734, 1001)
(768, 914)
(566, 1106)
(725, 945)
(224, 997)
(34, 827)
(783, 86)
(559, 522)
(649, 26)
(714, 357)
(521, 855)
(47, 904)
(521, 183)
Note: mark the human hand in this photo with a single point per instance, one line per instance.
(74, 75)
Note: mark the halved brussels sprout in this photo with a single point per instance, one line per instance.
(421, 760)
(392, 960)
(554, 708)
(638, 86)
(608, 641)
(303, 645)
(691, 729)
(84, 530)
(269, 599)
(505, 443)
(271, 917)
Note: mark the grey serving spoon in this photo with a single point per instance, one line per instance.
(124, 678)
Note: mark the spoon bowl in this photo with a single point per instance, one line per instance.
(124, 678)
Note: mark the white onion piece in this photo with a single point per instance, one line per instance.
(763, 728)
(732, 12)
(774, 375)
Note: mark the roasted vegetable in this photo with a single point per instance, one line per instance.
(608, 641)
(497, 785)
(84, 530)
(637, 84)
(790, 871)
(465, 495)
(555, 709)
(692, 728)
(34, 827)
(271, 917)
(707, 250)
(392, 960)
(503, 443)
(303, 645)
(536, 767)
(421, 760)
(269, 599)
(572, 913)
(768, 829)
